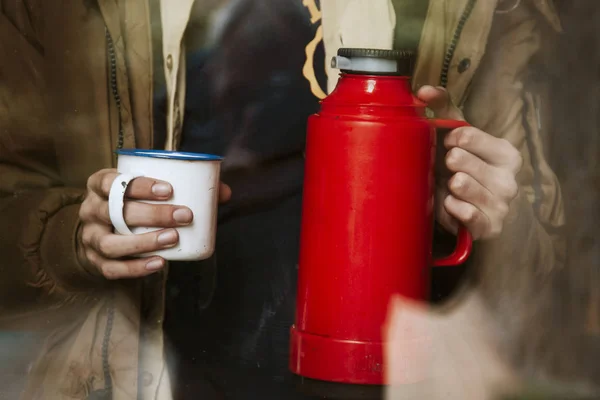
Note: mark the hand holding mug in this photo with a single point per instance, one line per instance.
(482, 173)
(108, 251)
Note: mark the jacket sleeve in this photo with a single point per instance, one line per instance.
(532, 245)
(38, 217)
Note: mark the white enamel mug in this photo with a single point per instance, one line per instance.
(195, 181)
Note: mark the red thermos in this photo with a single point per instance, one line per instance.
(367, 217)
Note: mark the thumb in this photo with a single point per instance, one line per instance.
(438, 100)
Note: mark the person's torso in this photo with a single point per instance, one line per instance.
(86, 79)
(97, 70)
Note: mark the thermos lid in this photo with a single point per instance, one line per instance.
(375, 61)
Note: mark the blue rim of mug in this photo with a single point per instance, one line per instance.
(169, 155)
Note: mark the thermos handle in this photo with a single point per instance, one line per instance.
(464, 242)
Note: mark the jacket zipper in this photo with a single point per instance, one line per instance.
(455, 38)
(106, 393)
(112, 59)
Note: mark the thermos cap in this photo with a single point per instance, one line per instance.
(375, 61)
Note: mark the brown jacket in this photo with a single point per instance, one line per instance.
(76, 81)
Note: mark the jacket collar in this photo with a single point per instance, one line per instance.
(128, 23)
(175, 15)
(450, 37)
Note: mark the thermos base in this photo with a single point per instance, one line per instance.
(334, 360)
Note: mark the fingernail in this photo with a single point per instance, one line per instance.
(183, 215)
(161, 189)
(167, 238)
(154, 264)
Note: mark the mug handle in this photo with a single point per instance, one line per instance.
(116, 202)
(464, 242)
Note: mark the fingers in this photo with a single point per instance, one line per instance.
(142, 188)
(224, 193)
(139, 188)
(480, 193)
(164, 216)
(107, 251)
(447, 221)
(484, 171)
(96, 209)
(438, 100)
(101, 240)
(127, 269)
(465, 188)
(471, 217)
(495, 151)
(489, 180)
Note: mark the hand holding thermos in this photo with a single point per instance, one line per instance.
(481, 171)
